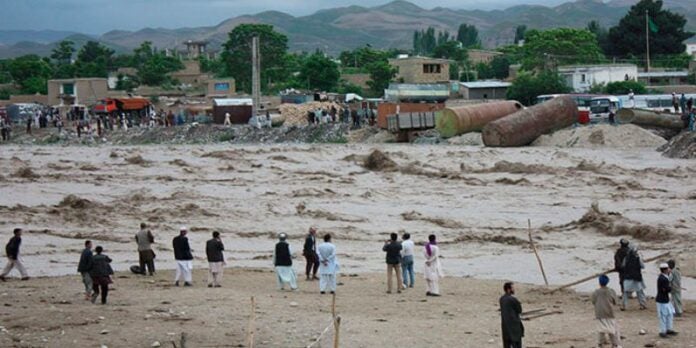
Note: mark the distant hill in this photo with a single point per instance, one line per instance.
(11, 37)
(386, 26)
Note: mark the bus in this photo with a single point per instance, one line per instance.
(654, 102)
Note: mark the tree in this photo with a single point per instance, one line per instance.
(63, 53)
(628, 37)
(320, 73)
(602, 35)
(154, 71)
(381, 73)
(31, 73)
(424, 42)
(559, 46)
(468, 35)
(451, 50)
(624, 87)
(519, 33)
(94, 60)
(527, 86)
(237, 54)
(364, 56)
(500, 66)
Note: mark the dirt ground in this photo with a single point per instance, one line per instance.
(51, 312)
(478, 201)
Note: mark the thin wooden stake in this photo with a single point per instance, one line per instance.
(333, 305)
(252, 321)
(541, 315)
(531, 242)
(337, 329)
(183, 340)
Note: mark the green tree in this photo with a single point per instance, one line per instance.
(624, 87)
(381, 74)
(320, 73)
(468, 35)
(425, 41)
(602, 35)
(94, 60)
(31, 73)
(519, 33)
(527, 86)
(450, 50)
(237, 54)
(364, 56)
(63, 53)
(628, 37)
(559, 47)
(154, 71)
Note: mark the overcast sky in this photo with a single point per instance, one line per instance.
(99, 16)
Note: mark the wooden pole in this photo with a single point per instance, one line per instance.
(542, 315)
(605, 272)
(252, 320)
(531, 243)
(183, 340)
(337, 327)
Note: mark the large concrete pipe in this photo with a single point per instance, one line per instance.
(644, 117)
(464, 119)
(524, 126)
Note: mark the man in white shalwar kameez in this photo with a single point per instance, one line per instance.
(282, 260)
(328, 265)
(433, 268)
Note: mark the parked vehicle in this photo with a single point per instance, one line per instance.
(654, 102)
(604, 108)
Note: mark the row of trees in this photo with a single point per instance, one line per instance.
(31, 72)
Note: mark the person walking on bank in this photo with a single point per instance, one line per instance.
(183, 257)
(13, 258)
(84, 267)
(101, 275)
(675, 283)
(309, 250)
(510, 311)
(433, 269)
(619, 257)
(216, 260)
(393, 249)
(665, 311)
(328, 265)
(282, 261)
(604, 299)
(146, 255)
(633, 278)
(407, 247)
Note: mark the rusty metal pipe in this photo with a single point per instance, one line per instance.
(472, 118)
(651, 118)
(524, 126)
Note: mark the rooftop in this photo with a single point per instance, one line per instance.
(590, 66)
(683, 73)
(420, 58)
(486, 84)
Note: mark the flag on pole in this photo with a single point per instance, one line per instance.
(652, 25)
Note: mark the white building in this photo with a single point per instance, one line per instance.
(582, 77)
(691, 49)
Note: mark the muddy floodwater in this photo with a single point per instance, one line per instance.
(478, 201)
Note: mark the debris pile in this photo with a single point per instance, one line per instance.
(614, 224)
(681, 146)
(378, 161)
(296, 114)
(623, 136)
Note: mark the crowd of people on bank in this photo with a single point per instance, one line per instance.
(96, 275)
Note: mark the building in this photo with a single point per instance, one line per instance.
(191, 74)
(195, 49)
(664, 78)
(86, 91)
(221, 88)
(691, 49)
(412, 70)
(582, 77)
(239, 109)
(482, 56)
(491, 89)
(357, 79)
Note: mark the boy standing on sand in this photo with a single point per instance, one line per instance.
(13, 260)
(604, 299)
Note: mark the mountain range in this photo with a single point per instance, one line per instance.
(338, 29)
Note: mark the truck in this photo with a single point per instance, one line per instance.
(115, 106)
(406, 125)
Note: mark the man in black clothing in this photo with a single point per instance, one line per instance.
(393, 249)
(510, 311)
(216, 260)
(101, 275)
(619, 256)
(310, 253)
(13, 260)
(84, 267)
(183, 257)
(282, 260)
(665, 311)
